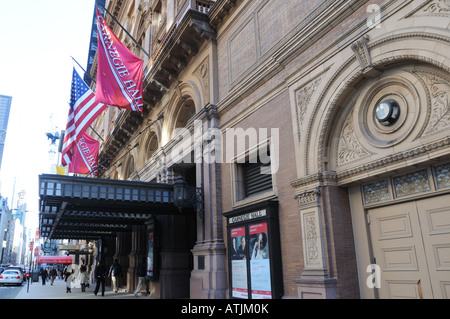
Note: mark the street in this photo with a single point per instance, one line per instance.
(10, 292)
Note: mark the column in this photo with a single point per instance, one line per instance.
(176, 260)
(135, 256)
(208, 278)
(314, 282)
(123, 247)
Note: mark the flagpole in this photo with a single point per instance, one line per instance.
(115, 20)
(90, 126)
(84, 70)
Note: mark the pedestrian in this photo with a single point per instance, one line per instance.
(115, 272)
(83, 276)
(142, 276)
(68, 279)
(44, 275)
(52, 275)
(100, 276)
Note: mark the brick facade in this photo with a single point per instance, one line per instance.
(313, 71)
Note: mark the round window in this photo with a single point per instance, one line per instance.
(387, 112)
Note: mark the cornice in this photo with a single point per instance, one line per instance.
(179, 46)
(388, 163)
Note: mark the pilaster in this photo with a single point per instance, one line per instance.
(315, 282)
(209, 278)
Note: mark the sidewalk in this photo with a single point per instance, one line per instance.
(58, 291)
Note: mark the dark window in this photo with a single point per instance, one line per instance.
(257, 178)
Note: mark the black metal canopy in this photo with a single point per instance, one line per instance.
(73, 207)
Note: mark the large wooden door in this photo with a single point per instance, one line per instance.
(411, 244)
(434, 217)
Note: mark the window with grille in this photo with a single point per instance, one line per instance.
(257, 178)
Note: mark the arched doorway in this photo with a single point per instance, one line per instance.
(388, 147)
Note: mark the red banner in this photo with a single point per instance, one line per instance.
(85, 156)
(55, 260)
(119, 71)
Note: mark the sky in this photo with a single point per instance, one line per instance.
(37, 41)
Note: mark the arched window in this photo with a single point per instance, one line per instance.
(129, 167)
(186, 112)
(151, 145)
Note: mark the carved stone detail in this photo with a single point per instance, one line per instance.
(439, 6)
(361, 49)
(202, 72)
(439, 99)
(350, 149)
(392, 159)
(308, 198)
(312, 239)
(302, 99)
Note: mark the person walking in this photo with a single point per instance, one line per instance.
(44, 275)
(115, 272)
(142, 276)
(83, 277)
(100, 276)
(52, 275)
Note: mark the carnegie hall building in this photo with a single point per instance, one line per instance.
(287, 149)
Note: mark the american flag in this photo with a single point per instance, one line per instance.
(83, 111)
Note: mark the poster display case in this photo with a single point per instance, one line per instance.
(152, 253)
(254, 254)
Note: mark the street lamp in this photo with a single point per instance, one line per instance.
(187, 196)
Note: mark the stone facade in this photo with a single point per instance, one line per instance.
(309, 74)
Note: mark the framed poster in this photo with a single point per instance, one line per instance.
(260, 262)
(239, 263)
(254, 252)
(150, 253)
(152, 250)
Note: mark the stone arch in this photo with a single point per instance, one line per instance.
(150, 143)
(182, 107)
(386, 54)
(114, 175)
(128, 167)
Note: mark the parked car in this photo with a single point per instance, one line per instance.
(19, 268)
(11, 277)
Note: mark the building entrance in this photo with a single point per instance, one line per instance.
(411, 244)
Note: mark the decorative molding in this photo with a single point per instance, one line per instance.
(349, 148)
(328, 117)
(439, 100)
(337, 177)
(439, 6)
(392, 159)
(311, 239)
(308, 198)
(202, 73)
(320, 179)
(302, 99)
(361, 49)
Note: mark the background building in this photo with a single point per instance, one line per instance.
(6, 225)
(314, 133)
(6, 231)
(5, 106)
